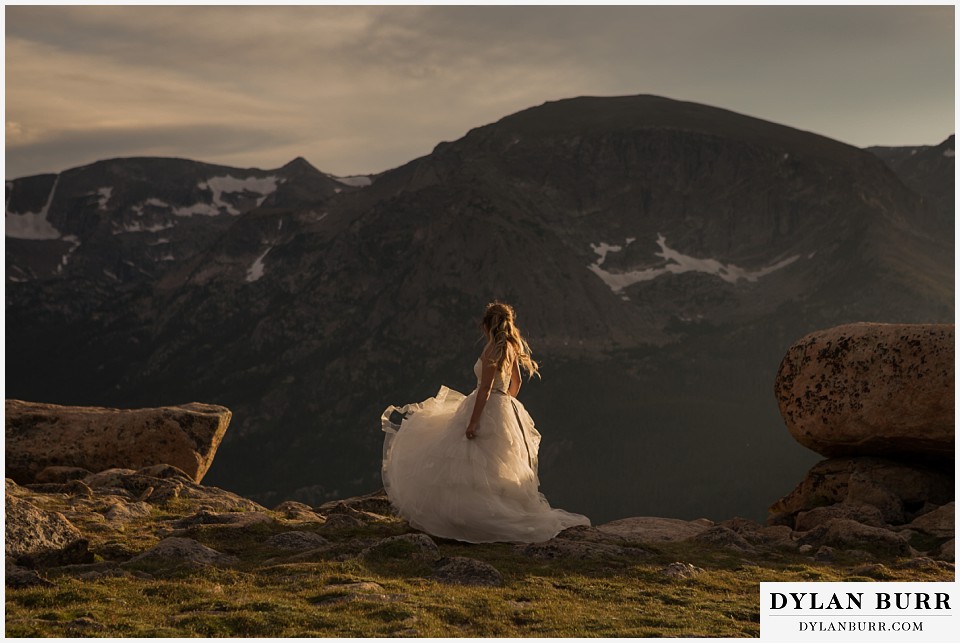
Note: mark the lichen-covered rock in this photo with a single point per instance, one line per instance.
(44, 435)
(36, 537)
(460, 570)
(871, 389)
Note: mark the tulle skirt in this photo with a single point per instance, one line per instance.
(480, 490)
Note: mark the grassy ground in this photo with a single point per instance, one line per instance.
(334, 593)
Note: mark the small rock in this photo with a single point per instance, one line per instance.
(824, 554)
(164, 471)
(177, 552)
(124, 512)
(108, 479)
(418, 546)
(847, 534)
(61, 475)
(341, 522)
(78, 488)
(939, 522)
(805, 549)
(376, 503)
(85, 623)
(297, 540)
(229, 518)
(723, 537)
(359, 591)
(923, 563)
(38, 537)
(864, 514)
(947, 550)
(681, 570)
(17, 577)
(293, 507)
(460, 570)
(115, 551)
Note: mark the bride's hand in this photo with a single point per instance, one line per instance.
(471, 431)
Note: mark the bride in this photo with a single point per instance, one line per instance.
(465, 467)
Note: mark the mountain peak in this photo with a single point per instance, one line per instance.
(300, 164)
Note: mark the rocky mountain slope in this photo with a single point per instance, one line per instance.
(661, 255)
(929, 171)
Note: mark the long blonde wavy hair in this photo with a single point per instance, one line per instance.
(499, 327)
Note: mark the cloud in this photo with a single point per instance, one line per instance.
(362, 89)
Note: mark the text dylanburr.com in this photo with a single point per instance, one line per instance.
(858, 611)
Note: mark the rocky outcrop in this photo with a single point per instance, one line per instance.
(871, 389)
(856, 393)
(896, 491)
(40, 436)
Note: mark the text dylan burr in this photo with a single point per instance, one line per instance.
(854, 601)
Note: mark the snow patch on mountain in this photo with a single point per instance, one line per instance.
(676, 263)
(33, 225)
(948, 152)
(103, 197)
(603, 248)
(65, 259)
(137, 226)
(255, 271)
(221, 185)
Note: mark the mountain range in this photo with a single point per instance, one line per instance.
(661, 256)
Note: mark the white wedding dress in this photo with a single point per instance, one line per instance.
(480, 490)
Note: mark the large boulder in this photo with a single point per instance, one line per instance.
(39, 436)
(871, 389)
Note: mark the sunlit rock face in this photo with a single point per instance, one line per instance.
(661, 256)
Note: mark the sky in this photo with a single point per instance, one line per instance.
(362, 89)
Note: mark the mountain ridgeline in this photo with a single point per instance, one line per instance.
(661, 256)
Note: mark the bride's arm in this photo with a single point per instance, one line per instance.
(515, 379)
(483, 393)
